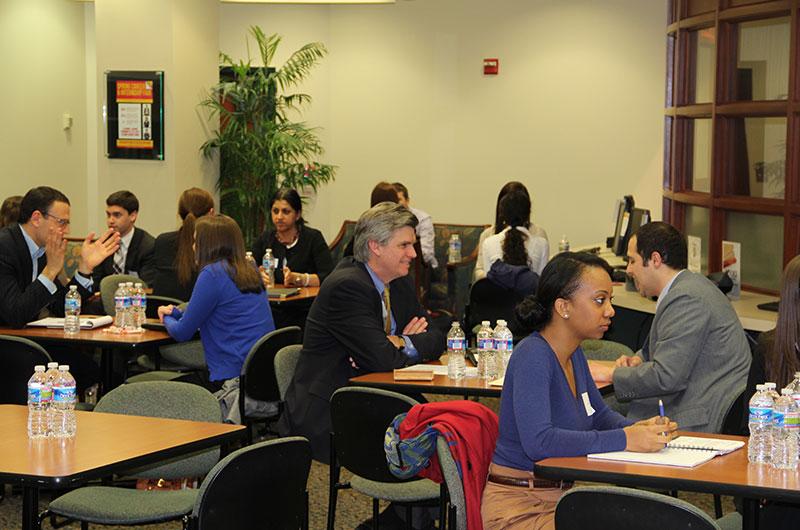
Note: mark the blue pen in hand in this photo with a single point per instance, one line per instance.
(661, 419)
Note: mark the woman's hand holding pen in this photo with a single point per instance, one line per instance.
(650, 435)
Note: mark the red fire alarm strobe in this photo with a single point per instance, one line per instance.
(491, 66)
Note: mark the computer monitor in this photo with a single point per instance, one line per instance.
(638, 217)
(624, 208)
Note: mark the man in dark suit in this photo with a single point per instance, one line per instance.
(135, 250)
(350, 330)
(32, 279)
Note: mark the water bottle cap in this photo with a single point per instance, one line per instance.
(455, 324)
(63, 368)
(38, 368)
(52, 365)
(501, 322)
(485, 323)
(770, 385)
(248, 253)
(73, 287)
(786, 391)
(138, 284)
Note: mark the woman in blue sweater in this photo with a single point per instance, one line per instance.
(228, 304)
(550, 405)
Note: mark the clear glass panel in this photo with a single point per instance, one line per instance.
(763, 60)
(697, 222)
(670, 74)
(761, 237)
(758, 164)
(701, 155)
(703, 45)
(668, 154)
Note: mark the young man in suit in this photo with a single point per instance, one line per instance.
(351, 330)
(32, 279)
(135, 251)
(697, 357)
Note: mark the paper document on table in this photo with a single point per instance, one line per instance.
(87, 322)
(437, 369)
(684, 451)
(497, 382)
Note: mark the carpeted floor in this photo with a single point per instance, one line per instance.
(352, 508)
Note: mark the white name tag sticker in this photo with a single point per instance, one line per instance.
(587, 404)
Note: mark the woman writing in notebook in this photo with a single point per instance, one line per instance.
(550, 405)
(228, 303)
(303, 256)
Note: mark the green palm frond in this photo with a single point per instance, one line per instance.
(260, 147)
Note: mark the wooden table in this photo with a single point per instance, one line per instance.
(98, 338)
(441, 384)
(104, 444)
(306, 293)
(730, 474)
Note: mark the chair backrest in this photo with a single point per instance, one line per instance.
(455, 488)
(109, 284)
(341, 240)
(488, 301)
(154, 301)
(285, 364)
(257, 380)
(18, 356)
(259, 486)
(627, 509)
(167, 399)
(604, 350)
(359, 418)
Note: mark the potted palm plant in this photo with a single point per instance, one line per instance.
(260, 147)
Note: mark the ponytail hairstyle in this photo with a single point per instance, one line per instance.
(560, 278)
(505, 190)
(219, 238)
(193, 204)
(515, 210)
(781, 357)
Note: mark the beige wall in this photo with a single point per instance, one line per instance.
(576, 112)
(42, 60)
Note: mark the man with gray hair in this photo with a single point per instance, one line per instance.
(366, 318)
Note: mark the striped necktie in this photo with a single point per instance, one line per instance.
(387, 325)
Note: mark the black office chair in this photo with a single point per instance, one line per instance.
(359, 418)
(257, 380)
(488, 301)
(614, 508)
(18, 356)
(259, 486)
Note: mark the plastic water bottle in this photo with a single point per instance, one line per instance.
(63, 405)
(72, 311)
(771, 390)
(51, 374)
(248, 257)
(39, 396)
(784, 432)
(487, 366)
(759, 448)
(454, 249)
(456, 350)
(503, 345)
(268, 262)
(142, 305)
(120, 316)
(563, 245)
(794, 386)
(137, 311)
(129, 306)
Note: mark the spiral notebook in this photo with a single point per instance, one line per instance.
(683, 451)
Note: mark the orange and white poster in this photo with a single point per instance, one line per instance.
(134, 101)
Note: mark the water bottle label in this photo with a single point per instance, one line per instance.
(72, 304)
(791, 421)
(485, 344)
(119, 302)
(136, 302)
(503, 344)
(38, 393)
(64, 394)
(455, 344)
(760, 415)
(777, 419)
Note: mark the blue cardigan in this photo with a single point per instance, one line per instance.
(539, 416)
(230, 321)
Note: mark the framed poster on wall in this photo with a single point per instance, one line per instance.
(135, 115)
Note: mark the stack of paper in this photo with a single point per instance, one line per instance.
(683, 451)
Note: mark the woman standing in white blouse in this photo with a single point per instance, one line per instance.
(515, 244)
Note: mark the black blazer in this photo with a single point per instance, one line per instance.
(346, 322)
(310, 254)
(162, 269)
(138, 259)
(21, 299)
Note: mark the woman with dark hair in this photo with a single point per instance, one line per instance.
(550, 405)
(303, 256)
(9, 212)
(228, 303)
(173, 264)
(515, 244)
(498, 226)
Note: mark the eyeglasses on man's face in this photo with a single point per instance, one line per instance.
(61, 222)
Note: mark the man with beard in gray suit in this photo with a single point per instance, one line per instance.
(696, 358)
